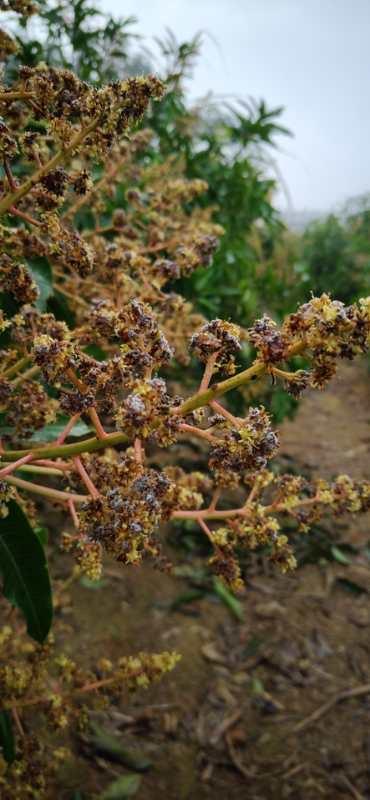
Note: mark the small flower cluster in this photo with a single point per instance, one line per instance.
(123, 521)
(147, 413)
(248, 447)
(30, 409)
(16, 279)
(325, 329)
(220, 339)
(260, 524)
(270, 343)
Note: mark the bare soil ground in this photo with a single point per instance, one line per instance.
(273, 707)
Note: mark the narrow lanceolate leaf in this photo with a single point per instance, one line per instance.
(7, 743)
(26, 582)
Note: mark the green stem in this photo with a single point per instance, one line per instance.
(46, 491)
(26, 375)
(35, 469)
(17, 367)
(217, 389)
(69, 450)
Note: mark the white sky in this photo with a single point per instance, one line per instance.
(312, 56)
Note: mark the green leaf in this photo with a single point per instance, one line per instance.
(58, 305)
(26, 582)
(89, 583)
(351, 586)
(187, 597)
(42, 275)
(110, 747)
(52, 431)
(231, 602)
(122, 788)
(42, 535)
(257, 686)
(6, 737)
(339, 556)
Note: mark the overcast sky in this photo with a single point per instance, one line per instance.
(312, 56)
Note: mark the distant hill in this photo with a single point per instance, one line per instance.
(297, 220)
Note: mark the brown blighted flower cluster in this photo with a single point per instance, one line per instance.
(330, 330)
(217, 338)
(248, 447)
(39, 679)
(7, 493)
(260, 522)
(67, 248)
(85, 123)
(147, 246)
(60, 98)
(142, 345)
(254, 530)
(30, 409)
(325, 329)
(29, 323)
(8, 144)
(54, 356)
(17, 280)
(147, 412)
(81, 380)
(23, 7)
(123, 520)
(269, 342)
(8, 46)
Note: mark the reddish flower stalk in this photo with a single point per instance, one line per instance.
(72, 510)
(193, 431)
(67, 430)
(11, 467)
(16, 212)
(85, 477)
(100, 432)
(206, 530)
(63, 466)
(208, 372)
(138, 449)
(225, 413)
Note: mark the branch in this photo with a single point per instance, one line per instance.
(112, 439)
(46, 491)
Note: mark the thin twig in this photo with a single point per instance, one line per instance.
(235, 758)
(17, 721)
(322, 710)
(352, 789)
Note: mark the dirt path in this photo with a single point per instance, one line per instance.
(224, 724)
(330, 434)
